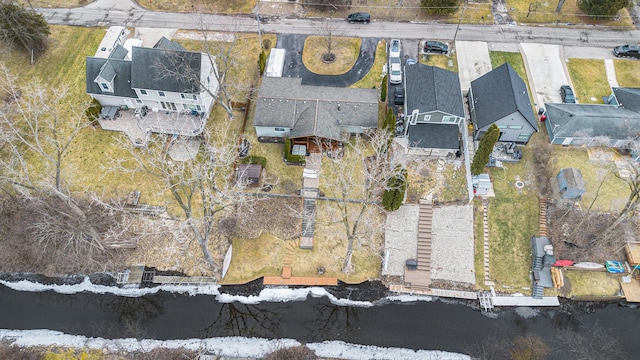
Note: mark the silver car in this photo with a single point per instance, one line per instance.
(395, 48)
(395, 71)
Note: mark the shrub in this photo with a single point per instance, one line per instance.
(262, 61)
(383, 89)
(602, 9)
(93, 112)
(394, 194)
(261, 160)
(390, 122)
(300, 159)
(440, 7)
(481, 158)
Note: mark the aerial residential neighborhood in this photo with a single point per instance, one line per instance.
(452, 156)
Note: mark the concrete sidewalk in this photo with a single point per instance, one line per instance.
(473, 61)
(610, 68)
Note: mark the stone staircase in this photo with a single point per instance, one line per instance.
(287, 261)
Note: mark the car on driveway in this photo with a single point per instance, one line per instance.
(394, 48)
(627, 51)
(362, 17)
(398, 96)
(395, 71)
(566, 93)
(410, 61)
(435, 47)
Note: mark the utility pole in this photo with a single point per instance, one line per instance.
(464, 7)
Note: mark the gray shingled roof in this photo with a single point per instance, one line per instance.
(314, 110)
(430, 88)
(122, 68)
(628, 97)
(119, 52)
(107, 71)
(499, 93)
(434, 136)
(167, 44)
(592, 120)
(165, 70)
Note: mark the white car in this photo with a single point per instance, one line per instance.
(395, 71)
(394, 48)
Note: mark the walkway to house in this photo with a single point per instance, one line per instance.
(485, 232)
(309, 193)
(610, 69)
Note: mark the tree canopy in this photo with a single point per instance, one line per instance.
(602, 8)
(440, 7)
(485, 148)
(23, 28)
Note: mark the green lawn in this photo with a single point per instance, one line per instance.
(582, 283)
(478, 254)
(374, 76)
(589, 80)
(627, 72)
(545, 12)
(513, 219)
(442, 61)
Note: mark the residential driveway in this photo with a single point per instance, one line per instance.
(293, 66)
(547, 71)
(473, 61)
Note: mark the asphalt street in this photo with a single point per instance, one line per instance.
(127, 13)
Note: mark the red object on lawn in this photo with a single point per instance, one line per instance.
(543, 117)
(561, 263)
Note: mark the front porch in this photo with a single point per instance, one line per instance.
(315, 145)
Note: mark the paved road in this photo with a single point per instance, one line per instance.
(127, 13)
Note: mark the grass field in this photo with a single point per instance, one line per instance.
(580, 283)
(627, 72)
(345, 49)
(589, 80)
(442, 61)
(545, 12)
(374, 76)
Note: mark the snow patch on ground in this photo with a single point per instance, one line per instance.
(266, 295)
(226, 346)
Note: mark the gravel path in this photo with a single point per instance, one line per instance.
(401, 239)
(452, 244)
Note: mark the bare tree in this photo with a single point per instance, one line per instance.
(202, 188)
(359, 180)
(38, 125)
(330, 38)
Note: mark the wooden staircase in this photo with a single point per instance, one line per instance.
(420, 278)
(543, 217)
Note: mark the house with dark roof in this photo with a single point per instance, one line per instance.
(163, 79)
(434, 114)
(500, 97)
(287, 109)
(593, 124)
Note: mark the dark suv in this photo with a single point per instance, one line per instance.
(566, 93)
(435, 47)
(627, 51)
(359, 17)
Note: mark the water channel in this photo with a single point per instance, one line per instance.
(431, 325)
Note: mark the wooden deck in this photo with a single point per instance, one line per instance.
(631, 290)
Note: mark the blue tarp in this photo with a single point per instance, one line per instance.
(614, 266)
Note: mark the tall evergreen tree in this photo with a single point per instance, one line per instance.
(484, 150)
(440, 7)
(23, 28)
(602, 8)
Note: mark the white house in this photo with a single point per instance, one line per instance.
(166, 78)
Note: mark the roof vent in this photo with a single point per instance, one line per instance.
(338, 106)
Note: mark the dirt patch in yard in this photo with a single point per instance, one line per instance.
(277, 216)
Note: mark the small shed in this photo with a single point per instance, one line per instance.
(481, 184)
(275, 63)
(570, 183)
(249, 174)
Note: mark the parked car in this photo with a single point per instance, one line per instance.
(394, 48)
(411, 61)
(359, 17)
(567, 94)
(435, 47)
(395, 71)
(398, 96)
(627, 51)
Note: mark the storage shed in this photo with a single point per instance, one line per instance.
(570, 183)
(249, 174)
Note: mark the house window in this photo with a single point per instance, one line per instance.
(426, 118)
(143, 92)
(502, 126)
(449, 119)
(524, 136)
(161, 94)
(138, 101)
(188, 96)
(515, 127)
(279, 129)
(105, 86)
